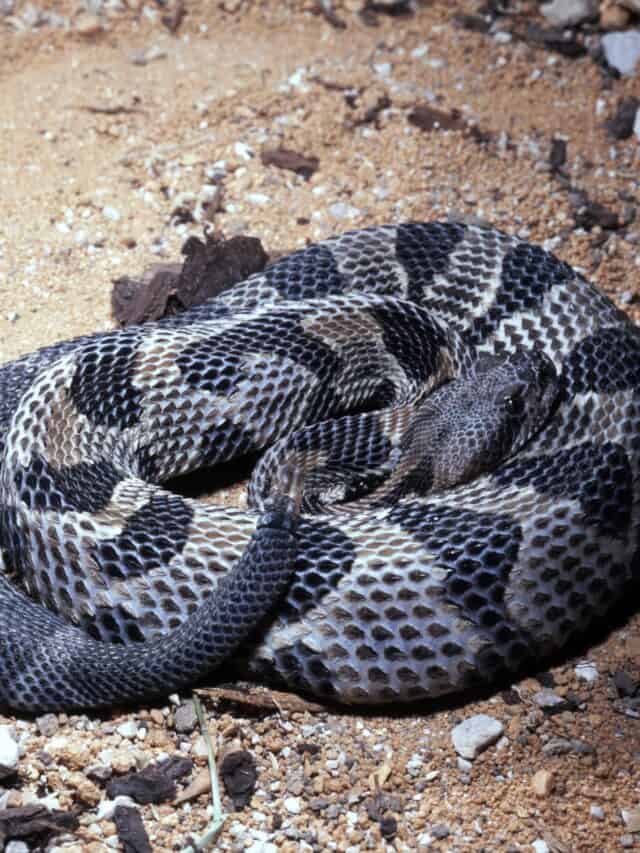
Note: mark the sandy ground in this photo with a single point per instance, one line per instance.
(101, 156)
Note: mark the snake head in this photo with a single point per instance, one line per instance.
(468, 426)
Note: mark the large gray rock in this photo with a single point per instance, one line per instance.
(568, 13)
(622, 50)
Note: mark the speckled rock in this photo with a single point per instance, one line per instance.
(185, 718)
(475, 734)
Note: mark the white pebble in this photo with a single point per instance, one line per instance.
(258, 198)
(128, 729)
(622, 50)
(106, 808)
(596, 812)
(383, 69)
(293, 805)
(540, 846)
(16, 847)
(262, 847)
(586, 671)
(243, 150)
(474, 734)
(9, 752)
(111, 213)
(340, 210)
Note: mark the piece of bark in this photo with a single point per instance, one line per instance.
(620, 126)
(140, 300)
(556, 39)
(473, 23)
(215, 264)
(173, 20)
(154, 784)
(557, 154)
(284, 158)
(239, 774)
(34, 822)
(200, 785)
(588, 213)
(429, 118)
(131, 832)
(211, 266)
(262, 699)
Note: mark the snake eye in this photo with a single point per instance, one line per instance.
(514, 402)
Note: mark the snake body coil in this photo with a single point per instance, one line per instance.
(429, 591)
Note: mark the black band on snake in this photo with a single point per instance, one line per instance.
(450, 424)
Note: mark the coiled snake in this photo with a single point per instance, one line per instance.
(413, 592)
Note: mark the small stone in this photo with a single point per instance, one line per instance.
(568, 13)
(614, 18)
(540, 846)
(547, 699)
(340, 210)
(425, 840)
(88, 25)
(475, 734)
(16, 847)
(200, 748)
(185, 718)
(622, 50)
(258, 198)
(586, 671)
(631, 818)
(627, 841)
(47, 724)
(543, 783)
(243, 151)
(99, 772)
(625, 684)
(596, 812)
(111, 213)
(106, 808)
(293, 805)
(9, 753)
(563, 746)
(440, 831)
(129, 729)
(143, 56)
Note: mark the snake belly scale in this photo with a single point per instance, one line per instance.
(426, 596)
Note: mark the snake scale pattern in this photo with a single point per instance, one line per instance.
(417, 597)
